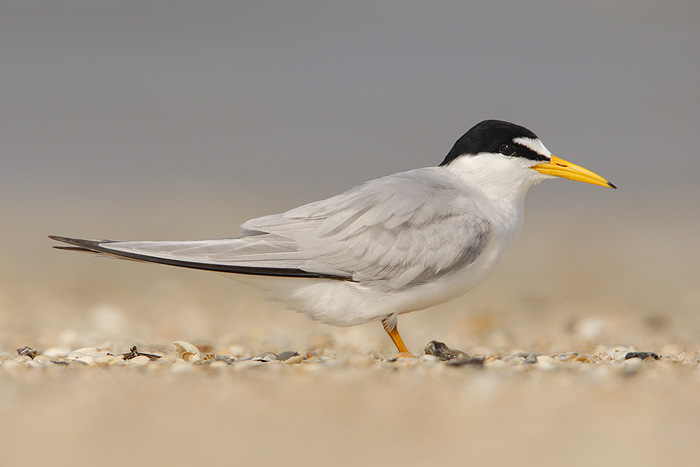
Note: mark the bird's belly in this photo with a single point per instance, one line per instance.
(335, 302)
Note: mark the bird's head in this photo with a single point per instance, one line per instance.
(503, 157)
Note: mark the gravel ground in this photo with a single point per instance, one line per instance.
(552, 376)
(90, 406)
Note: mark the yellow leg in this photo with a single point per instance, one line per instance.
(393, 332)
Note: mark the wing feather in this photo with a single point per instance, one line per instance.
(394, 232)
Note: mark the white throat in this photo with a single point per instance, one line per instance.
(502, 179)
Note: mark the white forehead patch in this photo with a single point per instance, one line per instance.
(535, 144)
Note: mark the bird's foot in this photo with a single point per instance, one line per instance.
(401, 355)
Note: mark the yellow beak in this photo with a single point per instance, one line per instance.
(561, 168)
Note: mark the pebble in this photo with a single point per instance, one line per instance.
(294, 359)
(28, 351)
(91, 351)
(443, 352)
(287, 354)
(141, 360)
(56, 352)
(530, 359)
(88, 360)
(108, 360)
(618, 353)
(42, 359)
(495, 363)
(267, 357)
(608, 362)
(182, 348)
(227, 359)
(564, 356)
(187, 356)
(243, 364)
(642, 355)
(545, 362)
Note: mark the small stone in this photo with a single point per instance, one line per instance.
(443, 352)
(88, 360)
(287, 354)
(91, 351)
(108, 360)
(35, 364)
(190, 357)
(641, 355)
(565, 356)
(227, 359)
(294, 359)
(530, 359)
(182, 347)
(141, 360)
(28, 351)
(56, 352)
(252, 363)
(618, 353)
(267, 357)
(545, 362)
(494, 364)
(43, 359)
(584, 359)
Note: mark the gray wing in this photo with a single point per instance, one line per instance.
(393, 232)
(400, 230)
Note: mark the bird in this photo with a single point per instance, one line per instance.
(393, 245)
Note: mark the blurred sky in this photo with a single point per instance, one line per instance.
(278, 103)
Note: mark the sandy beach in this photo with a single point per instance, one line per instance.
(554, 387)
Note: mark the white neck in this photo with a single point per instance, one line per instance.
(504, 180)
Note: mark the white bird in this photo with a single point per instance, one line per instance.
(390, 246)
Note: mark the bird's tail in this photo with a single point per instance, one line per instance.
(188, 254)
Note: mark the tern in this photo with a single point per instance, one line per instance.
(397, 244)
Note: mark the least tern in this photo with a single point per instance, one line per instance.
(390, 246)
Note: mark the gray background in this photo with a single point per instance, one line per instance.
(292, 101)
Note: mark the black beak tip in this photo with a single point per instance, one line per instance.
(612, 186)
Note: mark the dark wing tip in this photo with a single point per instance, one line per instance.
(79, 244)
(78, 241)
(96, 246)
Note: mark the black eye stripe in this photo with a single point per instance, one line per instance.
(527, 153)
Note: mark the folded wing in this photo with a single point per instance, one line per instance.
(393, 232)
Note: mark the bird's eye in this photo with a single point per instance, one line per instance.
(507, 150)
